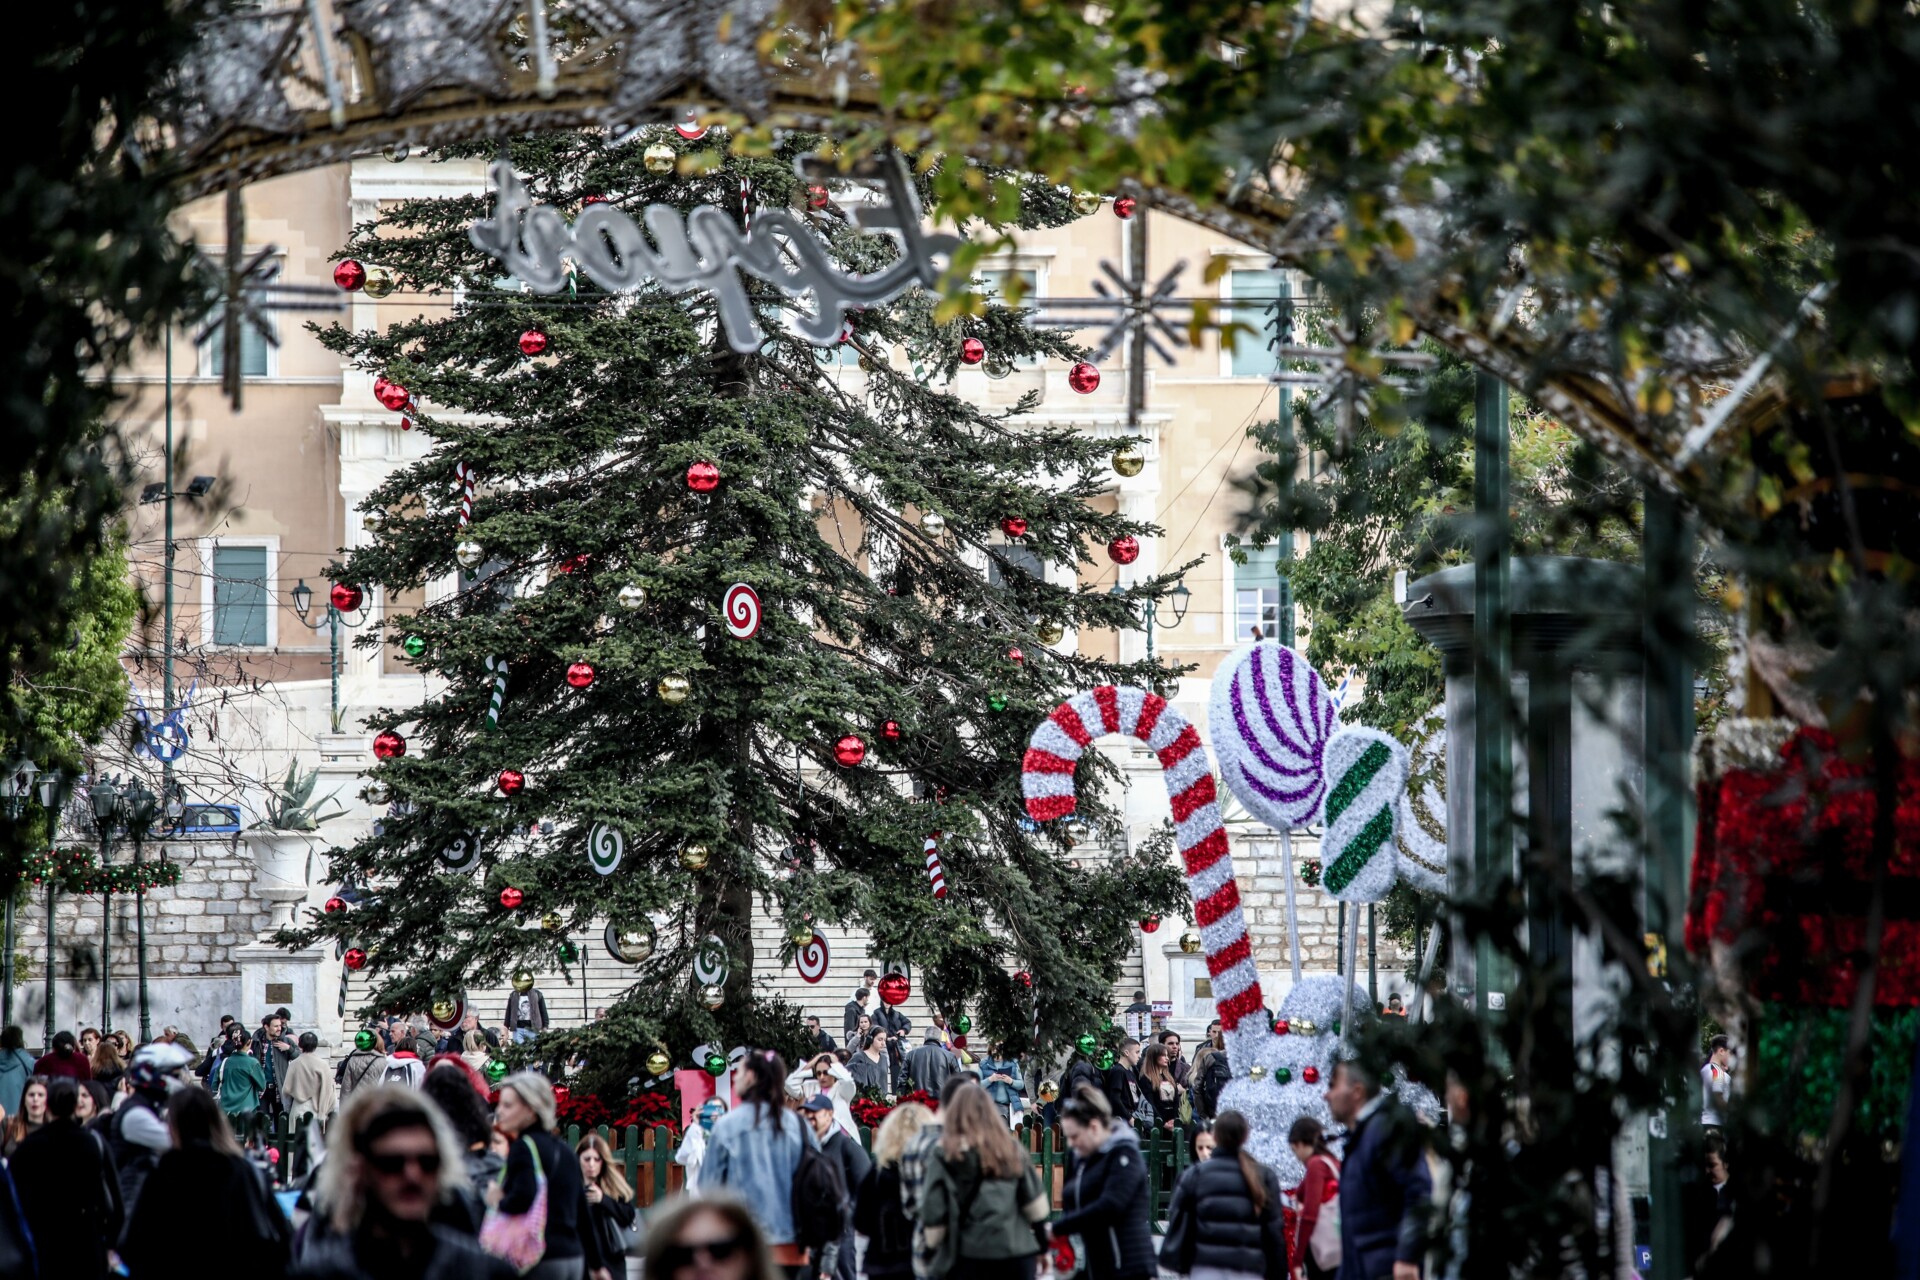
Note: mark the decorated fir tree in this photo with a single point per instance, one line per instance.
(628, 468)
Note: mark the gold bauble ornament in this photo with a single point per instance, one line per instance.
(659, 158)
(658, 1063)
(933, 524)
(444, 1009)
(1049, 1090)
(1256, 1072)
(636, 942)
(469, 553)
(1129, 460)
(522, 980)
(695, 856)
(800, 935)
(1190, 941)
(1303, 1027)
(550, 922)
(1048, 631)
(674, 689)
(713, 996)
(1086, 203)
(379, 282)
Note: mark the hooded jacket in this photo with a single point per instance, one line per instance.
(1105, 1204)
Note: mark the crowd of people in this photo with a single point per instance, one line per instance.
(119, 1159)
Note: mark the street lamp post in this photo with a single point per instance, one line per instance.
(142, 808)
(1179, 599)
(106, 804)
(302, 595)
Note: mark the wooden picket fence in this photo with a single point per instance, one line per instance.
(646, 1156)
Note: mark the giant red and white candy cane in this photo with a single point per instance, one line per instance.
(1047, 780)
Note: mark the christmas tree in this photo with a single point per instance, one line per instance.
(624, 468)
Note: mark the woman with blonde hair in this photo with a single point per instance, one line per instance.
(474, 1051)
(877, 1214)
(609, 1198)
(983, 1201)
(538, 1163)
(707, 1237)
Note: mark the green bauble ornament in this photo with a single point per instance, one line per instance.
(996, 702)
(568, 952)
(1106, 1026)
(716, 1064)
(963, 1024)
(1283, 1074)
(1086, 1043)
(1104, 1060)
(363, 1040)
(413, 646)
(495, 1071)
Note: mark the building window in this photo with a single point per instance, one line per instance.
(1015, 557)
(253, 350)
(240, 595)
(1259, 299)
(1262, 599)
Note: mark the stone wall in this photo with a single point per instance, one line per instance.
(194, 931)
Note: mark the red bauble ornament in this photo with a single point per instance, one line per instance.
(335, 904)
(580, 674)
(890, 731)
(1150, 924)
(1310, 1074)
(345, 597)
(894, 988)
(703, 477)
(349, 275)
(1083, 378)
(512, 782)
(355, 959)
(532, 342)
(818, 197)
(972, 351)
(594, 200)
(561, 1094)
(1014, 655)
(1282, 1027)
(511, 897)
(406, 424)
(1024, 978)
(393, 395)
(573, 564)
(850, 750)
(1124, 206)
(387, 744)
(1124, 550)
(1014, 526)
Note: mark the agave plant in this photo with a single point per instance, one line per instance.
(292, 807)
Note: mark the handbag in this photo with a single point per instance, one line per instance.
(1324, 1243)
(519, 1239)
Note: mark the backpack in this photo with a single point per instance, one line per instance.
(1324, 1244)
(397, 1073)
(819, 1199)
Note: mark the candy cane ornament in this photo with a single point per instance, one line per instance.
(1047, 781)
(498, 666)
(936, 872)
(463, 476)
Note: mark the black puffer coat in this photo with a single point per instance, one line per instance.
(1105, 1204)
(1212, 1222)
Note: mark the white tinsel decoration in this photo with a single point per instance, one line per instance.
(1269, 1106)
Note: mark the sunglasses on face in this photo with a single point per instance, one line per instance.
(393, 1164)
(683, 1255)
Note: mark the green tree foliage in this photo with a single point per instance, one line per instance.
(868, 617)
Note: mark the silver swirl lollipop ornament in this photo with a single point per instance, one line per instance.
(811, 960)
(1421, 832)
(741, 609)
(710, 963)
(462, 853)
(605, 845)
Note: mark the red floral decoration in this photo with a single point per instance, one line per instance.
(1784, 855)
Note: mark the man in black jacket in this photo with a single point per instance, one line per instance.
(822, 1042)
(1081, 1071)
(1385, 1189)
(858, 1005)
(1120, 1083)
(931, 1064)
(273, 1049)
(853, 1162)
